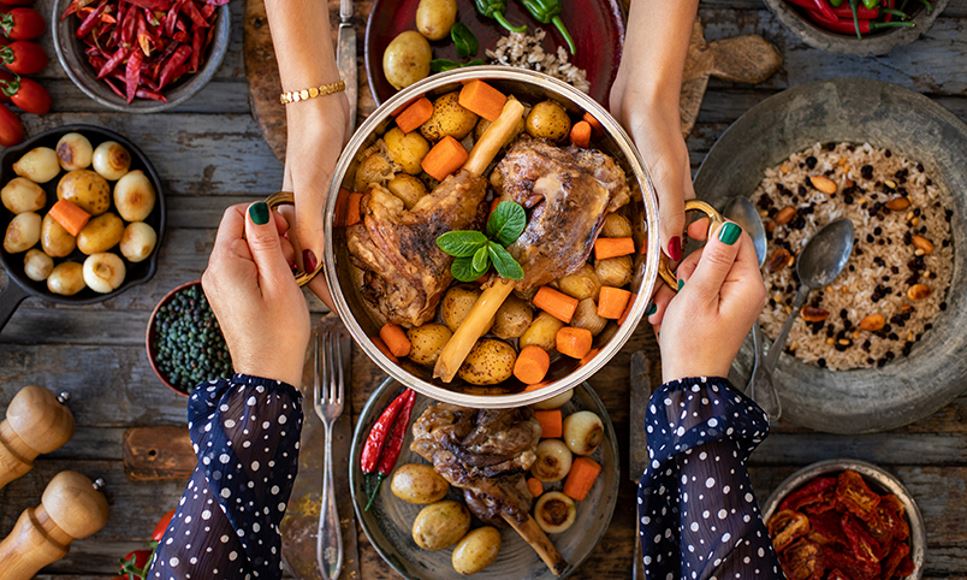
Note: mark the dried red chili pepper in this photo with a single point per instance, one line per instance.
(196, 48)
(87, 25)
(132, 75)
(175, 66)
(151, 95)
(192, 12)
(854, 495)
(369, 458)
(391, 450)
(112, 63)
(151, 4)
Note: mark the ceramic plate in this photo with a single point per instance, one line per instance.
(388, 523)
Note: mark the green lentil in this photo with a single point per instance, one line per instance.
(190, 348)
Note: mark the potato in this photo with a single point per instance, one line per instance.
(555, 402)
(582, 283)
(111, 160)
(616, 226)
(555, 512)
(21, 195)
(406, 149)
(138, 241)
(103, 272)
(449, 118)
(74, 151)
(441, 525)
(583, 432)
(100, 234)
(38, 165)
(23, 233)
(37, 265)
(418, 483)
(542, 332)
(376, 168)
(476, 551)
(614, 271)
(54, 239)
(490, 362)
(134, 196)
(426, 343)
(434, 18)
(553, 461)
(512, 318)
(66, 279)
(408, 188)
(548, 120)
(456, 304)
(87, 189)
(407, 59)
(586, 316)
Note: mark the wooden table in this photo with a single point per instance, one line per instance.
(210, 154)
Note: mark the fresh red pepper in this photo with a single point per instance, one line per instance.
(369, 457)
(391, 451)
(16, 2)
(862, 12)
(162, 526)
(22, 24)
(23, 57)
(11, 129)
(848, 26)
(134, 565)
(27, 94)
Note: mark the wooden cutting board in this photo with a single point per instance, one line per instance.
(158, 453)
(742, 59)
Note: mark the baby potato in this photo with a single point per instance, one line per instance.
(54, 239)
(74, 151)
(512, 318)
(616, 226)
(408, 188)
(476, 551)
(456, 304)
(23, 233)
(441, 525)
(553, 461)
(542, 332)
(111, 160)
(406, 149)
(103, 272)
(37, 265)
(490, 362)
(426, 342)
(138, 241)
(449, 118)
(21, 195)
(586, 316)
(376, 168)
(134, 196)
(407, 59)
(87, 189)
(100, 234)
(581, 283)
(548, 120)
(555, 512)
(38, 165)
(418, 483)
(614, 271)
(555, 402)
(583, 432)
(434, 18)
(66, 279)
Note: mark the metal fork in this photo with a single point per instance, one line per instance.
(328, 393)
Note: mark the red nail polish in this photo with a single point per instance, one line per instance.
(309, 260)
(675, 248)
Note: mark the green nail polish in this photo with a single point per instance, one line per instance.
(259, 213)
(651, 309)
(680, 283)
(729, 233)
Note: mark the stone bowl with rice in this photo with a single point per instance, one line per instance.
(882, 345)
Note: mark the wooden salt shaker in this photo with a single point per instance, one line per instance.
(37, 422)
(71, 508)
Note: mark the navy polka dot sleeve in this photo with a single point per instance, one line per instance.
(245, 432)
(698, 516)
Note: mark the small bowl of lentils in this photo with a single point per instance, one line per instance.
(184, 342)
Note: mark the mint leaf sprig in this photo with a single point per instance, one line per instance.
(475, 252)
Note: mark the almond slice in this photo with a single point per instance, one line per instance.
(873, 322)
(823, 183)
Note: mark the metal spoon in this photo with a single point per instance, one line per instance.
(820, 262)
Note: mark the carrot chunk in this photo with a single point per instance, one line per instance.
(581, 134)
(532, 364)
(395, 338)
(535, 486)
(587, 358)
(70, 216)
(624, 315)
(557, 304)
(354, 209)
(595, 124)
(384, 349)
(574, 342)
(552, 423)
(536, 386)
(584, 472)
(605, 248)
(482, 99)
(415, 115)
(447, 156)
(612, 302)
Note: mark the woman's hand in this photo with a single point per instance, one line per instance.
(259, 307)
(721, 295)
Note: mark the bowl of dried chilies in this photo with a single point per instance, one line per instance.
(140, 56)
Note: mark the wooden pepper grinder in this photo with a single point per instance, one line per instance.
(37, 422)
(71, 508)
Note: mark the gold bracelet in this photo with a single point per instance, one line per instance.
(313, 92)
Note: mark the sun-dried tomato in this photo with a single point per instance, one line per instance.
(862, 544)
(892, 563)
(854, 495)
(785, 527)
(803, 561)
(892, 515)
(827, 529)
(835, 558)
(836, 574)
(819, 490)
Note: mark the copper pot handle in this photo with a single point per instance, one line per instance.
(288, 198)
(715, 221)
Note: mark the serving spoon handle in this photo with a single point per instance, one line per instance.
(776, 349)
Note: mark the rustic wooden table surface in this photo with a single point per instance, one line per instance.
(210, 153)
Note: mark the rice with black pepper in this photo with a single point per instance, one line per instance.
(527, 51)
(898, 245)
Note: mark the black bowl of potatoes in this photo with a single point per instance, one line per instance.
(83, 216)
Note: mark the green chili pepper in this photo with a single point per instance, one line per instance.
(853, 6)
(464, 40)
(871, 4)
(445, 64)
(836, 3)
(495, 9)
(549, 12)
